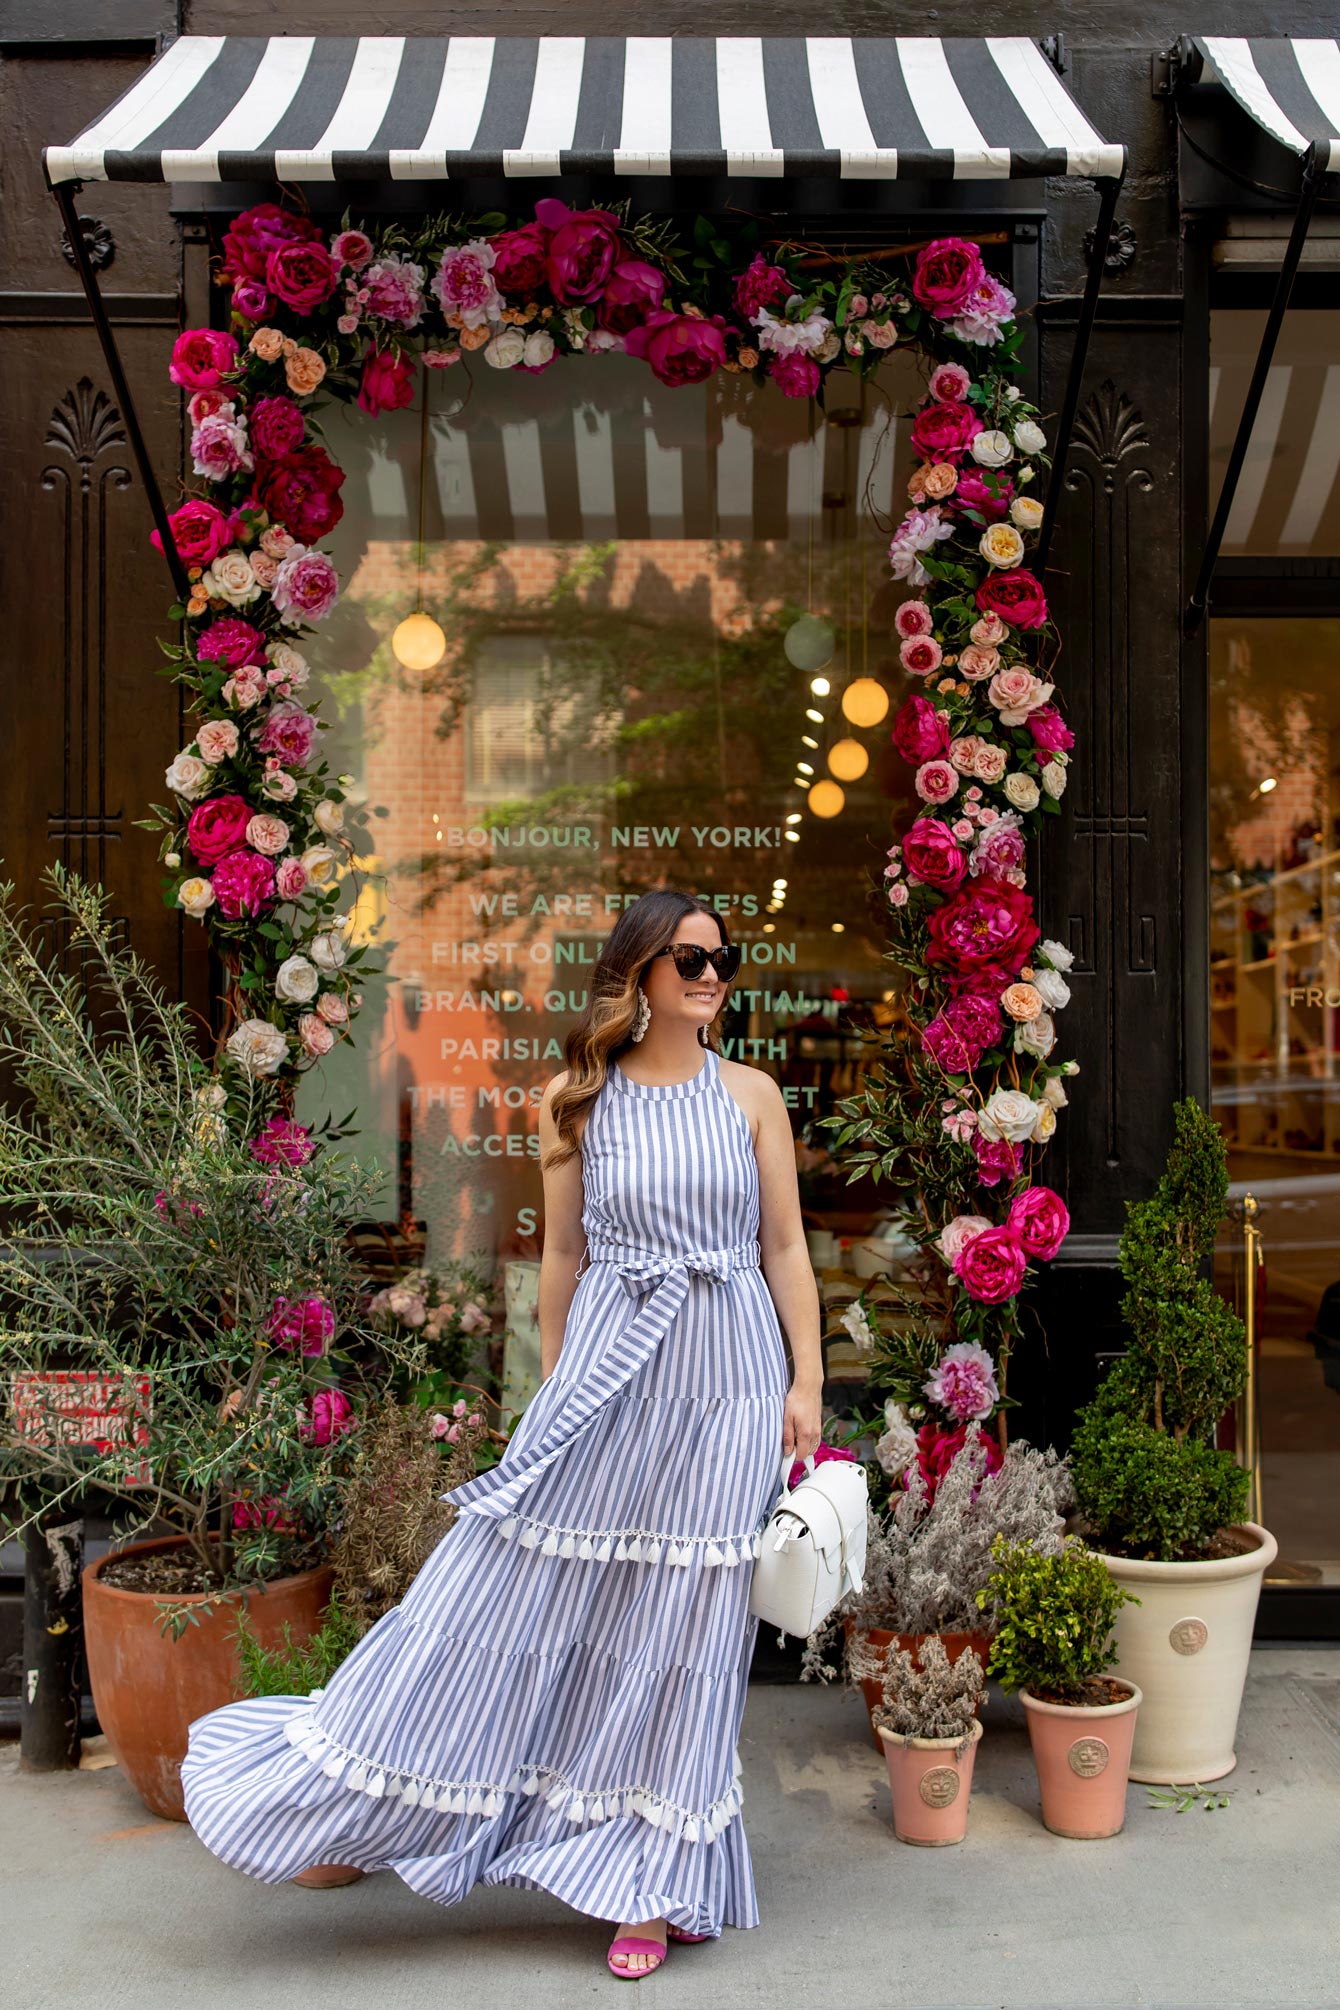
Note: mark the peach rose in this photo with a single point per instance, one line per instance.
(991, 763)
(304, 370)
(475, 338)
(941, 480)
(989, 629)
(978, 661)
(268, 344)
(964, 753)
(1022, 1001)
(217, 740)
(314, 1034)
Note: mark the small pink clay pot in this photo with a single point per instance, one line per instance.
(930, 1787)
(1082, 1753)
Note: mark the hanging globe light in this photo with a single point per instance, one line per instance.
(865, 702)
(418, 642)
(826, 799)
(809, 643)
(848, 760)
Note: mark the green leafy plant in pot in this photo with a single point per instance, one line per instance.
(1156, 1495)
(1053, 1645)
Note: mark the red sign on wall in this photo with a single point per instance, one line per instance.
(75, 1406)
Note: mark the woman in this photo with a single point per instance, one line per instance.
(556, 1701)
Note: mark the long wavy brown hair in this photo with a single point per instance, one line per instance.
(605, 1026)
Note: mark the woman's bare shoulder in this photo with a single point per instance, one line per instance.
(753, 1089)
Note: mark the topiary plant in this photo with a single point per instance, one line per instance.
(1056, 1614)
(1148, 1478)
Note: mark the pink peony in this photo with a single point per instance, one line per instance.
(999, 851)
(982, 934)
(277, 427)
(1050, 731)
(678, 348)
(982, 316)
(202, 358)
(200, 532)
(1015, 596)
(964, 1383)
(997, 1160)
(919, 731)
(931, 855)
(947, 272)
(244, 883)
(216, 827)
(761, 285)
(795, 374)
(306, 587)
(989, 494)
(219, 448)
(301, 1322)
(301, 275)
(991, 1267)
(394, 289)
(282, 1142)
(231, 642)
(329, 1414)
(913, 618)
(465, 286)
(961, 1032)
(635, 290)
(1040, 1220)
(289, 732)
(519, 258)
(387, 384)
(920, 655)
(944, 432)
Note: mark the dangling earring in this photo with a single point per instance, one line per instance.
(643, 1019)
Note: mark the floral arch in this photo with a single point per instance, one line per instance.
(255, 841)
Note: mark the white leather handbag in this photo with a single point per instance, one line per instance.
(813, 1548)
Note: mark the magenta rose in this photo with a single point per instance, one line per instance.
(216, 827)
(989, 496)
(329, 1413)
(635, 290)
(289, 732)
(202, 358)
(277, 427)
(997, 1160)
(306, 587)
(987, 927)
(931, 854)
(282, 1142)
(387, 384)
(301, 1322)
(991, 1267)
(678, 348)
(1040, 1220)
(919, 733)
(944, 432)
(947, 272)
(795, 375)
(302, 275)
(937, 1449)
(251, 299)
(301, 491)
(1015, 596)
(251, 237)
(1050, 731)
(821, 1452)
(582, 250)
(244, 883)
(231, 642)
(519, 260)
(961, 1032)
(761, 285)
(200, 532)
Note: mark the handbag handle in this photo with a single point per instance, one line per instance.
(788, 1460)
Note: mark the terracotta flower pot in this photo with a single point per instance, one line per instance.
(1082, 1752)
(880, 1638)
(1186, 1644)
(149, 1688)
(930, 1787)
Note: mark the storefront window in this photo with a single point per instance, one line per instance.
(1275, 1033)
(616, 568)
(1287, 501)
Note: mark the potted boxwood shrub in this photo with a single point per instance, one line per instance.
(1157, 1497)
(189, 1265)
(929, 1555)
(1053, 1643)
(927, 1721)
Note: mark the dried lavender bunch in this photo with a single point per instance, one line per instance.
(391, 1519)
(927, 1696)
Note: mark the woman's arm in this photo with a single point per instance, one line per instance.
(564, 1238)
(787, 1267)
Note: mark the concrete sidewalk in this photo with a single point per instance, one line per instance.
(106, 1906)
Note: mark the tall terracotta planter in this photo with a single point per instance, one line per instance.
(1187, 1645)
(881, 1638)
(930, 1786)
(148, 1689)
(1082, 1753)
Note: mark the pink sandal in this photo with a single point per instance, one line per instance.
(634, 1943)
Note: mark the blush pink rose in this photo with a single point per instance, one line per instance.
(1040, 1220)
(992, 762)
(290, 878)
(991, 1266)
(936, 782)
(977, 662)
(217, 740)
(913, 618)
(1015, 693)
(315, 1035)
(920, 655)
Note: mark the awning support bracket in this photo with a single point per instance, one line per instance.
(1309, 188)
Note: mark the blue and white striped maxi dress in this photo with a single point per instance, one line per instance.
(556, 1702)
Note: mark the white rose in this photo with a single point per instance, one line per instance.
(1022, 791)
(1045, 1127)
(1054, 779)
(319, 861)
(505, 349)
(1029, 437)
(258, 1047)
(195, 895)
(1008, 1114)
(329, 816)
(296, 980)
(1036, 1036)
(1001, 544)
(991, 448)
(1052, 989)
(231, 578)
(217, 740)
(190, 777)
(328, 951)
(539, 348)
(1055, 953)
(290, 661)
(898, 1446)
(1011, 394)
(172, 859)
(1053, 1092)
(1026, 513)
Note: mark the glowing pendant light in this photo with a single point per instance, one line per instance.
(419, 642)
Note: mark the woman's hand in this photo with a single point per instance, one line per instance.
(802, 1419)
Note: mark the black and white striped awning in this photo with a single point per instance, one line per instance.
(216, 108)
(1290, 86)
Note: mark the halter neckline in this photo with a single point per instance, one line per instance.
(664, 1091)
